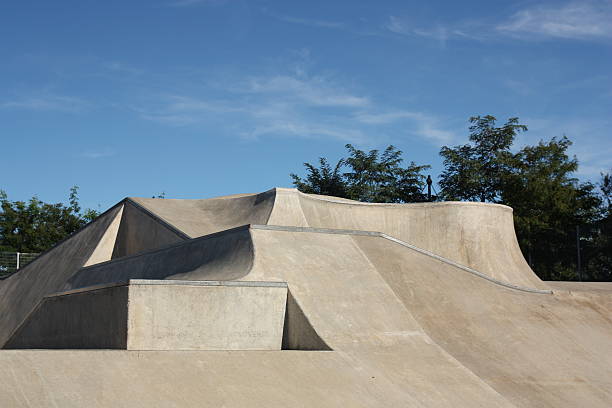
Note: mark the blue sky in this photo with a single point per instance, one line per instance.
(211, 97)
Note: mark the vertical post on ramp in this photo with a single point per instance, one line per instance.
(17, 267)
(578, 252)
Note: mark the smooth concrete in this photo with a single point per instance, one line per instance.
(222, 256)
(90, 319)
(139, 231)
(159, 315)
(419, 305)
(200, 316)
(21, 292)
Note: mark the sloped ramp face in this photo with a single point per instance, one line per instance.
(477, 235)
(197, 218)
(552, 350)
(160, 315)
(21, 292)
(141, 231)
(223, 256)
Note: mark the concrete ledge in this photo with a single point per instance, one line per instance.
(159, 315)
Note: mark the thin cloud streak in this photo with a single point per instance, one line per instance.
(575, 20)
(294, 106)
(47, 103)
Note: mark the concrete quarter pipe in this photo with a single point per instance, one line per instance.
(283, 299)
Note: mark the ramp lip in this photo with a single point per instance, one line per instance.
(168, 282)
(407, 245)
(158, 219)
(428, 204)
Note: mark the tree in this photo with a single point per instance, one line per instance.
(370, 177)
(323, 180)
(377, 178)
(552, 209)
(549, 204)
(599, 255)
(474, 172)
(35, 226)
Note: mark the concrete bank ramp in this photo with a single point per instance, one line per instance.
(424, 305)
(480, 236)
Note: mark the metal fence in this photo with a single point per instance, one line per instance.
(10, 262)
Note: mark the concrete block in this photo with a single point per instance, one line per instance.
(159, 315)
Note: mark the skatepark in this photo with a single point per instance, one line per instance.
(285, 299)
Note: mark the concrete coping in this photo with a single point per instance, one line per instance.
(170, 282)
(334, 200)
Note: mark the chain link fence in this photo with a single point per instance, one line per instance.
(11, 262)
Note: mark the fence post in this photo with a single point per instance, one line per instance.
(17, 268)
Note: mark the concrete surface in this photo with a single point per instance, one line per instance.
(159, 315)
(47, 274)
(424, 305)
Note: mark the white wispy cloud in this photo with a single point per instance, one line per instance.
(187, 3)
(291, 105)
(438, 32)
(419, 124)
(574, 20)
(319, 23)
(316, 91)
(311, 22)
(46, 103)
(578, 20)
(97, 154)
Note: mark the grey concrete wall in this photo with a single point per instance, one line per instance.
(160, 315)
(181, 315)
(90, 319)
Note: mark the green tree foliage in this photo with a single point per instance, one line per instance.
(548, 204)
(537, 182)
(35, 226)
(323, 180)
(369, 177)
(599, 247)
(474, 171)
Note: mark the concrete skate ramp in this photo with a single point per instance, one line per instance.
(22, 291)
(480, 236)
(472, 328)
(196, 218)
(226, 255)
(159, 315)
(381, 355)
(141, 231)
(534, 349)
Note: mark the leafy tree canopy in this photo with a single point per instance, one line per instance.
(35, 226)
(372, 176)
(551, 207)
(474, 171)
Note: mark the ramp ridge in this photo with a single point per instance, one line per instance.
(406, 245)
(158, 219)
